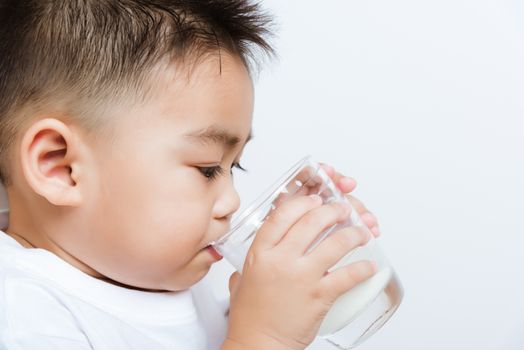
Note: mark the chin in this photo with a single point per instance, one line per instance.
(201, 275)
(195, 277)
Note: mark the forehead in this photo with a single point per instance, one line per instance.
(214, 104)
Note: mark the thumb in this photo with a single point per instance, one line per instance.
(233, 282)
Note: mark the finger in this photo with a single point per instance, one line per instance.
(345, 184)
(281, 219)
(301, 184)
(343, 279)
(337, 245)
(357, 204)
(369, 219)
(371, 222)
(311, 182)
(305, 231)
(330, 171)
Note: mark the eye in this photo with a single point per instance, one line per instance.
(211, 172)
(238, 166)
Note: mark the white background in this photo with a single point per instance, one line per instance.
(422, 102)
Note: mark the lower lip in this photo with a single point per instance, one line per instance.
(216, 255)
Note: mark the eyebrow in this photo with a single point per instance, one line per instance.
(216, 135)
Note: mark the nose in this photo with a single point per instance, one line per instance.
(228, 201)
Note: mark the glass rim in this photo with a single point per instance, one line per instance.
(267, 196)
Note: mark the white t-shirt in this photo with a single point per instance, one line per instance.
(47, 304)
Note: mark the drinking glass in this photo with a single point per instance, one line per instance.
(361, 311)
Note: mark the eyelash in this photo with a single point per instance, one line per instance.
(211, 173)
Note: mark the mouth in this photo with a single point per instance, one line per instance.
(216, 255)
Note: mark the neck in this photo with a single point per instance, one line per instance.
(24, 242)
(33, 224)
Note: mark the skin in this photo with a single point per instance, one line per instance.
(138, 209)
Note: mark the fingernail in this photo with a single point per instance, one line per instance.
(376, 231)
(346, 180)
(367, 216)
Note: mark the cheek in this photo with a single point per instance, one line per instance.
(150, 216)
(148, 236)
(159, 212)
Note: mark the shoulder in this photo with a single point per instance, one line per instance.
(32, 313)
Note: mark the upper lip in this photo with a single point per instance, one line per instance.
(221, 233)
(210, 244)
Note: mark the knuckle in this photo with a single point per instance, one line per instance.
(324, 215)
(351, 277)
(330, 213)
(257, 257)
(347, 239)
(340, 284)
(356, 203)
(357, 235)
(312, 218)
(363, 235)
(260, 260)
(342, 241)
(273, 218)
(279, 215)
(327, 291)
(369, 217)
(290, 209)
(282, 212)
(317, 293)
(360, 271)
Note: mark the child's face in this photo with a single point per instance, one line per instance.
(152, 208)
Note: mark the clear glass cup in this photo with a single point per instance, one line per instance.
(360, 312)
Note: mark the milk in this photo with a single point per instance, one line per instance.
(350, 304)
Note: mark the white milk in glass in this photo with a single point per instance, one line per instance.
(352, 303)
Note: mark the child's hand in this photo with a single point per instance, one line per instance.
(283, 293)
(347, 185)
(310, 185)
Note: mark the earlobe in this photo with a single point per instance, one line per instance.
(50, 161)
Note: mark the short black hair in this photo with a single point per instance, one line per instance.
(94, 50)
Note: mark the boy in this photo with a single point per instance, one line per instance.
(120, 122)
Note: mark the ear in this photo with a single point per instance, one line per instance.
(50, 161)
